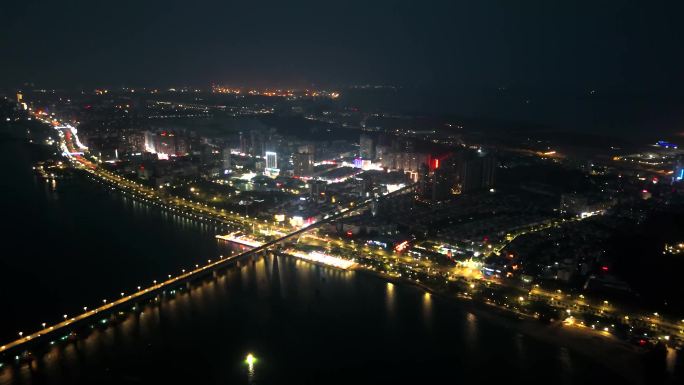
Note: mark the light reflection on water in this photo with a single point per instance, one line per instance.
(566, 365)
(671, 361)
(389, 297)
(470, 334)
(254, 307)
(427, 309)
(521, 350)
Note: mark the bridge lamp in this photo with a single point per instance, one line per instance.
(250, 360)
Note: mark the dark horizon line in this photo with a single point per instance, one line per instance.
(577, 90)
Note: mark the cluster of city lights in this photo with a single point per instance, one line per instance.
(324, 259)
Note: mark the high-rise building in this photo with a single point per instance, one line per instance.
(364, 186)
(478, 173)
(443, 183)
(226, 160)
(258, 145)
(244, 146)
(317, 189)
(149, 141)
(135, 141)
(382, 151)
(164, 142)
(307, 148)
(366, 147)
(206, 154)
(303, 164)
(403, 145)
(424, 185)
(181, 146)
(412, 161)
(271, 160)
(259, 165)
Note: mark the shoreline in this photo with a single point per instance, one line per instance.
(619, 357)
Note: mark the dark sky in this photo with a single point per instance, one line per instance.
(633, 45)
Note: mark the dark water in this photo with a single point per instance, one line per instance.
(74, 244)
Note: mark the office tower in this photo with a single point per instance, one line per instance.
(271, 160)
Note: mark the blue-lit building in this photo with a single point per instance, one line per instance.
(678, 172)
(665, 144)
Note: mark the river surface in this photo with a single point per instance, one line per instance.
(74, 243)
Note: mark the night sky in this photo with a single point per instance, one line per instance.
(591, 44)
(540, 49)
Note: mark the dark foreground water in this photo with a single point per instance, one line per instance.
(73, 244)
